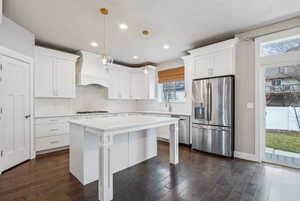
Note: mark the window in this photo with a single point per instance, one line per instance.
(281, 46)
(171, 85)
(172, 91)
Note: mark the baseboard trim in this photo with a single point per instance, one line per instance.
(245, 156)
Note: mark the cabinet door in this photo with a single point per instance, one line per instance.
(64, 78)
(151, 85)
(138, 85)
(222, 62)
(124, 81)
(44, 85)
(202, 67)
(114, 90)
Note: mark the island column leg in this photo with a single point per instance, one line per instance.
(105, 182)
(174, 147)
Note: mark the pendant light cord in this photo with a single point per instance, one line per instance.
(104, 43)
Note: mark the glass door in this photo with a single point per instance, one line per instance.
(279, 60)
(282, 121)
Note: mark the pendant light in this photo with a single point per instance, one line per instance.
(146, 67)
(106, 59)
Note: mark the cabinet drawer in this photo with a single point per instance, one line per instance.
(45, 143)
(43, 130)
(52, 120)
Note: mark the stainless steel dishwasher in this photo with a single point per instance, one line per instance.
(184, 129)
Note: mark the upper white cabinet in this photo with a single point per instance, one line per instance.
(138, 85)
(214, 60)
(131, 83)
(54, 73)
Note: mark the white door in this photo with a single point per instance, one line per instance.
(15, 125)
(64, 78)
(43, 79)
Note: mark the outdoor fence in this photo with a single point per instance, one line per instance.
(282, 118)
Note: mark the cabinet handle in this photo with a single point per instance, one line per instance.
(54, 129)
(54, 142)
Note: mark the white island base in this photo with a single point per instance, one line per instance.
(102, 146)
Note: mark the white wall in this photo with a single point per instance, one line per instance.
(153, 105)
(244, 95)
(90, 97)
(16, 38)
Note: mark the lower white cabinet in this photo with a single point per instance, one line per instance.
(51, 133)
(52, 142)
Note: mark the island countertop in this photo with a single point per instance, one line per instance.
(121, 122)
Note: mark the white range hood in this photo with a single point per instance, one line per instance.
(90, 70)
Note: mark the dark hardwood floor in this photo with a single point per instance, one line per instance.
(198, 177)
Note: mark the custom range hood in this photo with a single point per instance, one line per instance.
(90, 70)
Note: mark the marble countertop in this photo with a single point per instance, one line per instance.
(119, 122)
(112, 113)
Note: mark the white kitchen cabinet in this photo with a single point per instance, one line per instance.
(214, 60)
(130, 83)
(124, 80)
(51, 133)
(54, 74)
(44, 83)
(120, 84)
(138, 85)
(203, 66)
(151, 82)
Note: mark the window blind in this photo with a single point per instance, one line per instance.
(169, 75)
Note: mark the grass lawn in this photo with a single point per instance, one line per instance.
(283, 141)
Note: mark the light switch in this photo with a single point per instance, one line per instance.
(250, 105)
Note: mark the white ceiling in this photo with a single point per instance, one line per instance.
(183, 24)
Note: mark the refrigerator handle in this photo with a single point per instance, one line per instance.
(210, 101)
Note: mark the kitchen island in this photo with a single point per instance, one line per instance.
(101, 146)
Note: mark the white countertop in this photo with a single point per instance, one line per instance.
(164, 112)
(112, 113)
(119, 122)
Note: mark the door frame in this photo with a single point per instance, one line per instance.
(30, 61)
(261, 63)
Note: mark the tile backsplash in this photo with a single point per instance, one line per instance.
(91, 97)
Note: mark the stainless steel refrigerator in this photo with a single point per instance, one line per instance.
(213, 115)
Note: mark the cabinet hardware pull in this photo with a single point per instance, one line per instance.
(54, 142)
(27, 116)
(54, 129)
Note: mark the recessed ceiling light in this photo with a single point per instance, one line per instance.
(94, 44)
(123, 26)
(166, 46)
(135, 57)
